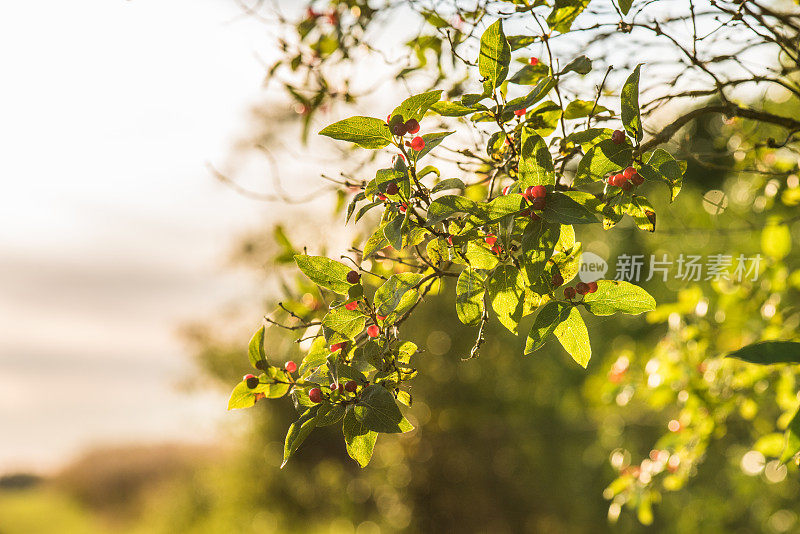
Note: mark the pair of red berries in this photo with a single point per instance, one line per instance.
(626, 179)
(536, 195)
(581, 288)
(400, 128)
(315, 394)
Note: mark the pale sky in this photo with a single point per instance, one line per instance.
(112, 231)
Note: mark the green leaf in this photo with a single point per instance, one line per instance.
(241, 397)
(479, 257)
(574, 337)
(324, 272)
(469, 296)
(376, 241)
(450, 183)
(535, 161)
(498, 208)
(545, 323)
(506, 288)
(298, 432)
(577, 109)
(347, 323)
(377, 410)
(538, 92)
(494, 57)
(604, 158)
(432, 140)
(564, 13)
(359, 439)
(643, 213)
(769, 352)
(625, 6)
(447, 206)
(393, 230)
(530, 74)
(562, 208)
(776, 241)
(255, 351)
(792, 438)
(629, 97)
(397, 294)
(451, 109)
(414, 107)
(661, 166)
(317, 355)
(330, 413)
(366, 132)
(617, 296)
(581, 65)
(538, 241)
(520, 41)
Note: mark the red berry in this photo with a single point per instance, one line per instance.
(315, 394)
(351, 386)
(373, 331)
(618, 180)
(610, 179)
(506, 189)
(398, 129)
(497, 249)
(538, 203)
(380, 317)
(536, 191)
(403, 207)
(392, 188)
(582, 288)
(418, 143)
(618, 137)
(520, 112)
(353, 277)
(637, 179)
(450, 240)
(334, 387)
(558, 280)
(337, 346)
(351, 305)
(412, 126)
(592, 287)
(251, 380)
(629, 173)
(290, 366)
(627, 186)
(490, 239)
(569, 292)
(534, 61)
(381, 197)
(397, 126)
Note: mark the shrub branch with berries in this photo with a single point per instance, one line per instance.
(512, 251)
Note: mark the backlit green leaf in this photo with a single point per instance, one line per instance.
(366, 132)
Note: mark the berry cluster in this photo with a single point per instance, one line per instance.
(316, 395)
(626, 179)
(581, 288)
(400, 128)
